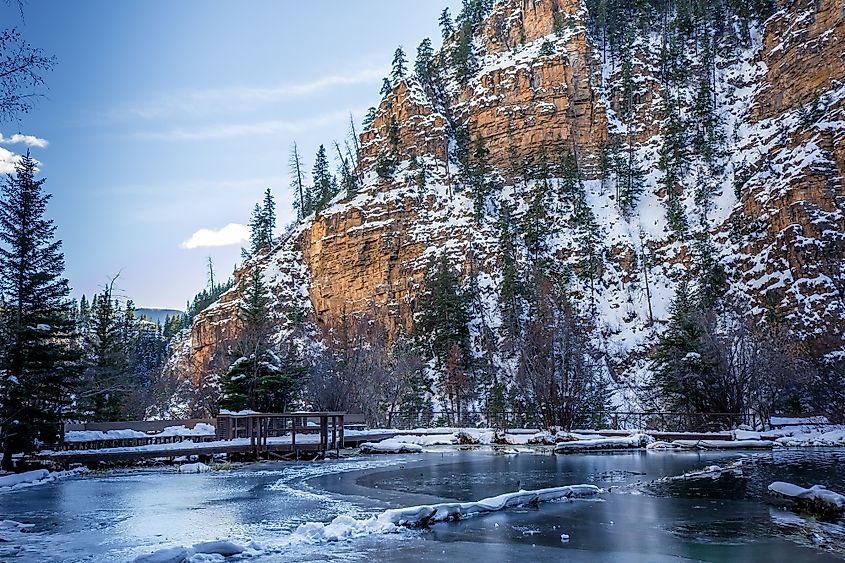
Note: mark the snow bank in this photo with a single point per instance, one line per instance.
(345, 527)
(815, 499)
(74, 436)
(194, 468)
(819, 438)
(797, 421)
(200, 429)
(35, 477)
(633, 441)
(390, 446)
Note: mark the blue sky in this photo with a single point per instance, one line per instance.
(165, 118)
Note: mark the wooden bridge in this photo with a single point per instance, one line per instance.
(250, 434)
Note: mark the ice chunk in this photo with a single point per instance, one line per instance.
(194, 468)
(220, 547)
(169, 555)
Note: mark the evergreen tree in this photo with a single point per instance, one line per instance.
(260, 377)
(447, 28)
(300, 201)
(324, 185)
(39, 357)
(262, 223)
(672, 162)
(105, 384)
(423, 64)
(369, 117)
(443, 312)
(681, 368)
(84, 318)
(386, 88)
(463, 58)
(399, 64)
(511, 290)
(480, 183)
(630, 180)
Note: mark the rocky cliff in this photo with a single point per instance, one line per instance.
(543, 83)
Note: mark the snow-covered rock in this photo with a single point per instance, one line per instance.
(625, 442)
(724, 444)
(194, 468)
(815, 499)
(822, 437)
(390, 446)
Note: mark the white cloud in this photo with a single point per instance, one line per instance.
(8, 160)
(28, 140)
(260, 128)
(216, 100)
(231, 234)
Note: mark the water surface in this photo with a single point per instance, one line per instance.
(118, 515)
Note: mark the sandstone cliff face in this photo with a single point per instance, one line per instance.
(781, 240)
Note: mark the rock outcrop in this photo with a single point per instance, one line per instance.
(775, 214)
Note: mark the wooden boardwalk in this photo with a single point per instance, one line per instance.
(258, 435)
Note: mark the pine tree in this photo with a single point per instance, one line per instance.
(105, 384)
(386, 88)
(447, 28)
(268, 215)
(463, 58)
(672, 162)
(399, 65)
(84, 317)
(480, 183)
(39, 360)
(443, 312)
(423, 64)
(262, 223)
(323, 187)
(260, 377)
(681, 367)
(630, 181)
(511, 290)
(300, 202)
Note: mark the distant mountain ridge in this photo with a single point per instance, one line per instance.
(157, 315)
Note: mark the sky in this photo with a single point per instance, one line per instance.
(163, 122)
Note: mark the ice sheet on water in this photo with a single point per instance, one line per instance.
(345, 527)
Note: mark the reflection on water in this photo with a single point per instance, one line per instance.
(116, 516)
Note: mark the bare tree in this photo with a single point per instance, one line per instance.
(22, 69)
(559, 372)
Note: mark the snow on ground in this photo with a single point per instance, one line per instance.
(344, 527)
(201, 429)
(821, 437)
(800, 435)
(36, 477)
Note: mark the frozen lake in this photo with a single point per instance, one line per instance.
(119, 515)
